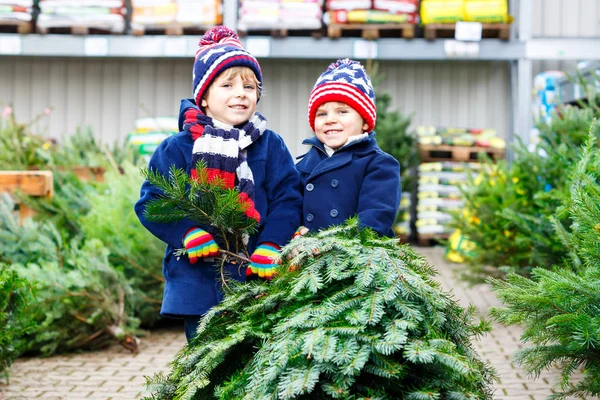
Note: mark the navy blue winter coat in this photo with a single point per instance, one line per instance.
(358, 179)
(193, 289)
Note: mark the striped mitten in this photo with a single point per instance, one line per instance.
(264, 261)
(199, 244)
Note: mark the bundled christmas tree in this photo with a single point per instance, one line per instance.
(350, 316)
(560, 307)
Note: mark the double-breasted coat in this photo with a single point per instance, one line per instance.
(358, 179)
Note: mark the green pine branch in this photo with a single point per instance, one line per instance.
(205, 202)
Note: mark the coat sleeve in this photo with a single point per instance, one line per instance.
(284, 201)
(379, 197)
(168, 153)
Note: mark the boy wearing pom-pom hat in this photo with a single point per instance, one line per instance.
(345, 173)
(220, 126)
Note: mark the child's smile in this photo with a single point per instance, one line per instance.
(231, 99)
(336, 122)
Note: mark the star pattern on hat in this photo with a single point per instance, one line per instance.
(210, 53)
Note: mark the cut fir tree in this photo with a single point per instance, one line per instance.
(350, 316)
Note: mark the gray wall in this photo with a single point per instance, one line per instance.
(109, 95)
(566, 18)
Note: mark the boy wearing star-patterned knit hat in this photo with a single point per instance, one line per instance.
(221, 127)
(345, 173)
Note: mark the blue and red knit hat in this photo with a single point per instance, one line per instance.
(345, 81)
(219, 49)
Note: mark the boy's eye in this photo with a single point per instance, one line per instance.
(251, 87)
(226, 85)
(321, 114)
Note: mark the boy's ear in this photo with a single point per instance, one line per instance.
(365, 127)
(203, 103)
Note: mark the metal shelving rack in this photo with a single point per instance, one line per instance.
(520, 51)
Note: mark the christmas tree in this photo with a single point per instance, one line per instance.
(351, 316)
(560, 307)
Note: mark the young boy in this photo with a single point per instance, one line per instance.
(220, 126)
(345, 173)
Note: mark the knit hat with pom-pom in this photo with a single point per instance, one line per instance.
(219, 49)
(345, 81)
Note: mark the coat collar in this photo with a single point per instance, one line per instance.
(311, 161)
(315, 142)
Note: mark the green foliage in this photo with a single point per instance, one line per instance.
(361, 317)
(20, 149)
(510, 209)
(15, 295)
(134, 251)
(206, 202)
(560, 308)
(82, 301)
(394, 135)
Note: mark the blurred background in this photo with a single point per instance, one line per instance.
(106, 64)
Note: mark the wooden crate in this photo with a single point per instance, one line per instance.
(371, 31)
(12, 26)
(439, 31)
(431, 239)
(282, 32)
(88, 173)
(169, 30)
(31, 183)
(80, 30)
(432, 153)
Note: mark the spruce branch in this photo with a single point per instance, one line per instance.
(204, 201)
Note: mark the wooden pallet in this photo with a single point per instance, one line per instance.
(10, 26)
(371, 31)
(457, 153)
(431, 239)
(75, 30)
(31, 183)
(169, 30)
(282, 33)
(437, 31)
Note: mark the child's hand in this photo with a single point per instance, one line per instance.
(301, 231)
(199, 244)
(265, 260)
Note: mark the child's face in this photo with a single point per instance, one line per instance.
(336, 122)
(231, 98)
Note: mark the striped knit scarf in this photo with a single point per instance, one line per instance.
(224, 152)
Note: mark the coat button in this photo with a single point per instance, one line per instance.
(333, 213)
(310, 187)
(334, 183)
(310, 217)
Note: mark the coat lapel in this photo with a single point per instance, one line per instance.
(319, 164)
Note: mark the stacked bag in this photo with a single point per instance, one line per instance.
(16, 10)
(439, 195)
(372, 12)
(280, 14)
(430, 135)
(186, 13)
(99, 14)
(150, 132)
(452, 11)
